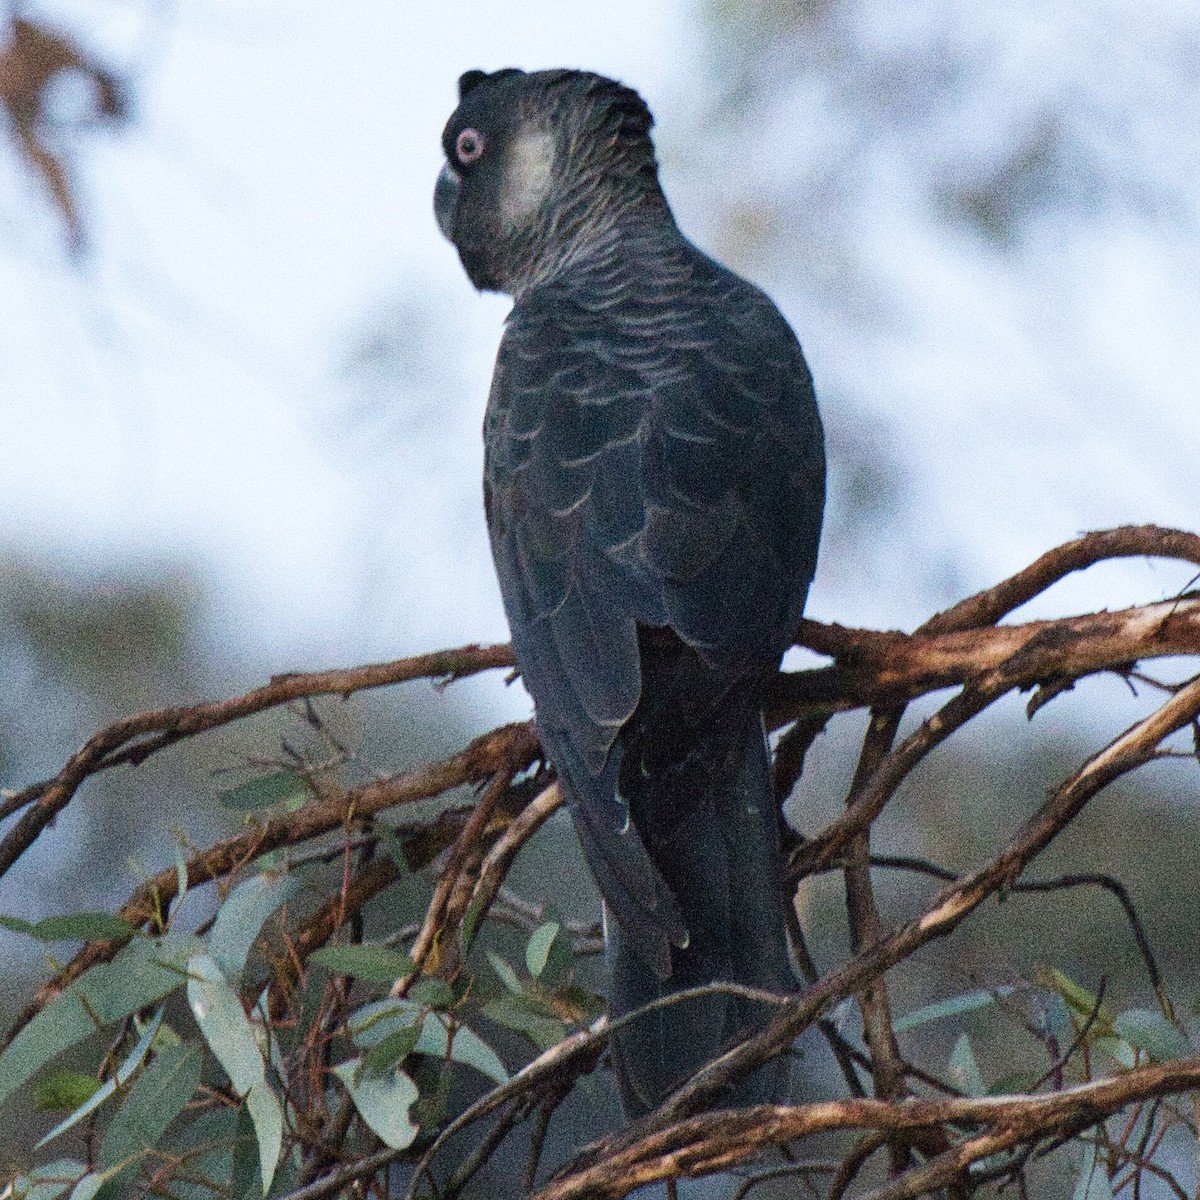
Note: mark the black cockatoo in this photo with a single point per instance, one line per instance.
(654, 485)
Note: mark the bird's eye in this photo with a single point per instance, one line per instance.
(468, 146)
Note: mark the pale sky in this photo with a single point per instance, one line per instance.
(186, 395)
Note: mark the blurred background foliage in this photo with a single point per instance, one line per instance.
(934, 193)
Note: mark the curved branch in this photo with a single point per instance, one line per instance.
(716, 1141)
(948, 908)
(510, 748)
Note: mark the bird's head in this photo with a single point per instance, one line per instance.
(540, 166)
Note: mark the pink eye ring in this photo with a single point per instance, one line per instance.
(468, 146)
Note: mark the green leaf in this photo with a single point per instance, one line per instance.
(964, 1070)
(208, 1144)
(537, 949)
(245, 1181)
(224, 1024)
(379, 964)
(441, 1039)
(73, 927)
(953, 1007)
(1147, 1029)
(1093, 1182)
(50, 1181)
(240, 919)
(381, 1018)
(267, 1116)
(141, 973)
(439, 1036)
(1079, 1000)
(1056, 1020)
(521, 1014)
(394, 1048)
(279, 788)
(103, 1091)
(88, 1186)
(64, 1091)
(1118, 1049)
(155, 1100)
(433, 993)
(383, 1101)
(505, 973)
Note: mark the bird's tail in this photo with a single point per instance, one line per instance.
(721, 860)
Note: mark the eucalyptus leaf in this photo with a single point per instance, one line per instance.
(383, 1100)
(955, 1006)
(156, 1098)
(434, 993)
(141, 973)
(379, 964)
(241, 918)
(440, 1039)
(1093, 1182)
(505, 973)
(1147, 1029)
(88, 1186)
(378, 1020)
(278, 788)
(73, 927)
(51, 1181)
(522, 1016)
(1081, 1002)
(964, 1069)
(267, 1115)
(394, 1048)
(224, 1024)
(537, 949)
(102, 1091)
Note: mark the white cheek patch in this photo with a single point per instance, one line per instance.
(527, 176)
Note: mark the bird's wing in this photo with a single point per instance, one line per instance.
(648, 465)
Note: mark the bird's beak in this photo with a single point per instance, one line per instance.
(445, 200)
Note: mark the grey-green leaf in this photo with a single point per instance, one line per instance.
(278, 788)
(157, 1097)
(460, 1044)
(964, 1070)
(953, 1007)
(537, 949)
(379, 964)
(375, 1022)
(505, 973)
(394, 1048)
(88, 1186)
(73, 927)
(240, 919)
(1147, 1029)
(142, 973)
(267, 1115)
(224, 1023)
(1093, 1182)
(433, 993)
(522, 1015)
(51, 1181)
(383, 1101)
(102, 1091)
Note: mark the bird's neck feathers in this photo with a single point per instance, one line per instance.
(575, 197)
